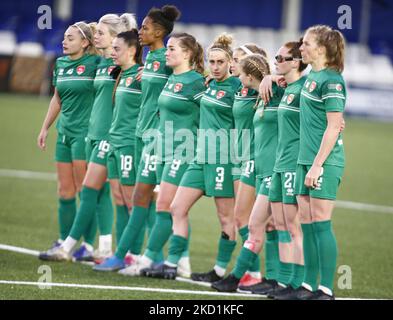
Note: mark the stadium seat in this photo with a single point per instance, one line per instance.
(29, 49)
(8, 42)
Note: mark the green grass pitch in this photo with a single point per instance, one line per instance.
(28, 216)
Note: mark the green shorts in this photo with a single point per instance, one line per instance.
(248, 173)
(236, 171)
(328, 182)
(282, 188)
(263, 185)
(121, 165)
(171, 172)
(69, 149)
(147, 166)
(215, 180)
(97, 151)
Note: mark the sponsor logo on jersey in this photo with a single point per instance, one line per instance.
(103, 70)
(129, 81)
(244, 92)
(61, 71)
(170, 86)
(313, 85)
(290, 98)
(80, 69)
(178, 87)
(307, 84)
(220, 94)
(156, 65)
(148, 66)
(335, 86)
(213, 93)
(110, 69)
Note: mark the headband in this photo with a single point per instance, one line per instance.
(226, 52)
(80, 29)
(246, 50)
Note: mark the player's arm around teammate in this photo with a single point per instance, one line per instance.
(73, 99)
(253, 69)
(321, 156)
(212, 178)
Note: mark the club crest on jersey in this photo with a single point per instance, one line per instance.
(80, 69)
(220, 94)
(290, 98)
(128, 81)
(313, 85)
(244, 92)
(178, 87)
(339, 87)
(156, 65)
(110, 69)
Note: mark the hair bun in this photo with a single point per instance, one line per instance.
(224, 39)
(129, 21)
(170, 13)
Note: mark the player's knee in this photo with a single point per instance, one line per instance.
(117, 197)
(177, 210)
(163, 205)
(254, 231)
(141, 198)
(66, 192)
(239, 221)
(227, 222)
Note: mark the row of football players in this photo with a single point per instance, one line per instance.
(279, 193)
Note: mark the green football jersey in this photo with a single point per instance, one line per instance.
(243, 115)
(74, 81)
(101, 114)
(324, 91)
(179, 115)
(216, 122)
(288, 127)
(127, 105)
(154, 77)
(266, 134)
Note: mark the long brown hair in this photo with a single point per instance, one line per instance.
(188, 42)
(334, 42)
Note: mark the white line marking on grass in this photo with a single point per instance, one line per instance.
(28, 174)
(52, 177)
(145, 289)
(363, 206)
(19, 250)
(124, 288)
